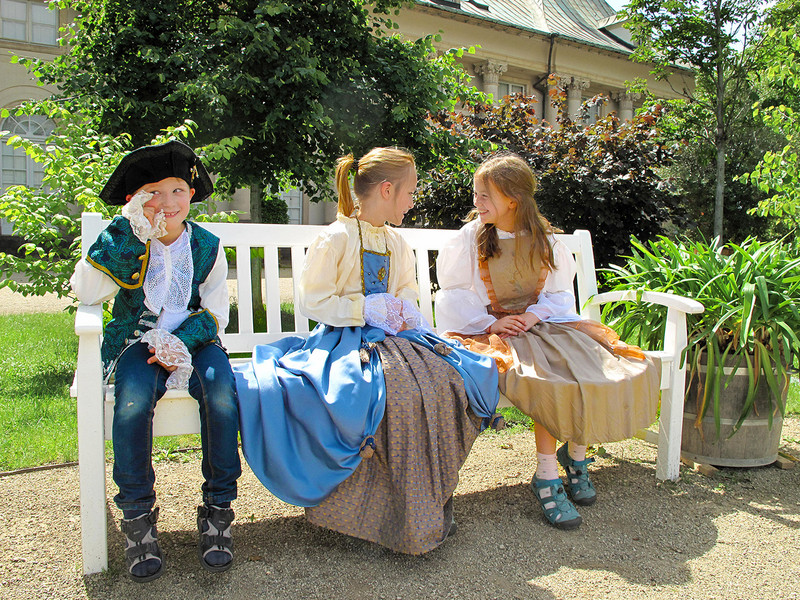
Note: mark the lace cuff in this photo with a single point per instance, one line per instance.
(384, 311)
(140, 225)
(172, 352)
(413, 319)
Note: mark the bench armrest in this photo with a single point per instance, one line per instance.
(89, 319)
(673, 376)
(681, 303)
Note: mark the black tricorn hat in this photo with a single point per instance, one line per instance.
(150, 164)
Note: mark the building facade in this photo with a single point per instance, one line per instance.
(519, 43)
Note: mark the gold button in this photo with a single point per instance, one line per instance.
(135, 276)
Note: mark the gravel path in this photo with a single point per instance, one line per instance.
(733, 536)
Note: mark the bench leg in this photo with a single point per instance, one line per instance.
(670, 428)
(91, 457)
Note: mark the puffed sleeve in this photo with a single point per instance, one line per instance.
(90, 285)
(318, 296)
(557, 300)
(461, 300)
(213, 291)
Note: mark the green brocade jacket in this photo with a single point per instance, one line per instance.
(122, 256)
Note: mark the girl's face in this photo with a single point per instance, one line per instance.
(400, 197)
(172, 196)
(493, 206)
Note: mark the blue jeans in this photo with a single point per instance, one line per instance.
(138, 386)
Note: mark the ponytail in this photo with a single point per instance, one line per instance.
(343, 166)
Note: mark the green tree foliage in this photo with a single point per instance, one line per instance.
(713, 38)
(688, 130)
(299, 82)
(778, 174)
(76, 161)
(601, 178)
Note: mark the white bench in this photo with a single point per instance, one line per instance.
(177, 413)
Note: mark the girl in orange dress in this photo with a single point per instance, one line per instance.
(507, 291)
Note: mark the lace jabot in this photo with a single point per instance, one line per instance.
(168, 282)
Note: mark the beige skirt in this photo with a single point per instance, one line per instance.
(578, 390)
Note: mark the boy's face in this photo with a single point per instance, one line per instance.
(172, 196)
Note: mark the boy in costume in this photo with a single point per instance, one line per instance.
(167, 277)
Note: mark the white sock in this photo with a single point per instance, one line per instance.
(546, 466)
(576, 452)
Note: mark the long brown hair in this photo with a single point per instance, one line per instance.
(514, 179)
(375, 167)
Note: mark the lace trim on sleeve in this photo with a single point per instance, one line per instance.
(172, 352)
(141, 227)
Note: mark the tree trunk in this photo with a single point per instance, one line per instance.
(256, 258)
(256, 211)
(720, 138)
(719, 195)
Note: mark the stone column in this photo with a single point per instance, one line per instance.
(490, 71)
(625, 101)
(574, 87)
(549, 112)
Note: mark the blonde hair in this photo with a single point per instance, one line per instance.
(514, 179)
(375, 167)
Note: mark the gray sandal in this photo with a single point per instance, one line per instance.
(215, 543)
(142, 553)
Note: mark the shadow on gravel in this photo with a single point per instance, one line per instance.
(640, 535)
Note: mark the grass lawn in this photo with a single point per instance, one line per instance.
(37, 365)
(37, 362)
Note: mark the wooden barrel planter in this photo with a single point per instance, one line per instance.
(754, 445)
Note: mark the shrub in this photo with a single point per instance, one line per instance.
(601, 178)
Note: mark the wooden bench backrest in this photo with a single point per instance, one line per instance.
(243, 237)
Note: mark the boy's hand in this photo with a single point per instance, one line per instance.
(145, 222)
(153, 359)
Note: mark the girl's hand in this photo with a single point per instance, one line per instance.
(512, 325)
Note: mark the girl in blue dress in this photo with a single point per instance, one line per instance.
(367, 421)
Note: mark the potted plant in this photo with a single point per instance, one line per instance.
(741, 350)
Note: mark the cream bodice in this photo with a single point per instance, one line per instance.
(330, 287)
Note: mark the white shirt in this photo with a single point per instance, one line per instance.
(330, 288)
(92, 286)
(462, 301)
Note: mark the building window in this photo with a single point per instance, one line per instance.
(505, 88)
(593, 112)
(28, 21)
(16, 168)
(294, 205)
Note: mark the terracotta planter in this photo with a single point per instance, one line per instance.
(755, 444)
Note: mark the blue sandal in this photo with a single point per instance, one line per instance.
(579, 487)
(558, 510)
